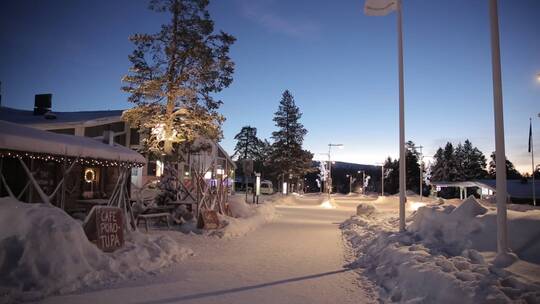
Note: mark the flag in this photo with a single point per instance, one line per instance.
(530, 137)
(380, 7)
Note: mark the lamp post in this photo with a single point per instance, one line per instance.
(329, 187)
(421, 171)
(350, 182)
(382, 177)
(363, 179)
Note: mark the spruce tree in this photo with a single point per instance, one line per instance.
(391, 176)
(287, 157)
(437, 168)
(473, 162)
(173, 77)
(449, 165)
(511, 172)
(412, 157)
(247, 145)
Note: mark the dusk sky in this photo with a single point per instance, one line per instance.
(340, 65)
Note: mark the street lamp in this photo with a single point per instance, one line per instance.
(363, 179)
(350, 182)
(329, 187)
(382, 177)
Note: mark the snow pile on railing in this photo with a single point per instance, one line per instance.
(440, 259)
(43, 250)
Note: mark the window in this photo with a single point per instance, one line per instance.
(120, 139)
(98, 130)
(151, 168)
(134, 136)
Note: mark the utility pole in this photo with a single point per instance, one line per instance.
(421, 171)
(500, 155)
(382, 180)
(330, 167)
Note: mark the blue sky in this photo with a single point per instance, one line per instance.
(340, 65)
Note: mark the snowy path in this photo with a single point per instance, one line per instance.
(298, 258)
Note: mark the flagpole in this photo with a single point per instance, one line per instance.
(500, 155)
(402, 197)
(532, 164)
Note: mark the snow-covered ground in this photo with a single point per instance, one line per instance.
(292, 249)
(446, 254)
(298, 257)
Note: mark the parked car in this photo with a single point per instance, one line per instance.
(267, 187)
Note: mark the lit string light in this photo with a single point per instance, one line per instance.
(61, 159)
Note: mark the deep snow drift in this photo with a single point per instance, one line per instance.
(246, 217)
(444, 257)
(44, 251)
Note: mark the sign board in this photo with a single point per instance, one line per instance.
(257, 183)
(104, 226)
(210, 219)
(247, 164)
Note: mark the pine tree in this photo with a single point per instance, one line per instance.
(511, 172)
(173, 76)
(450, 166)
(473, 162)
(437, 168)
(391, 176)
(459, 158)
(287, 157)
(247, 145)
(412, 166)
(465, 162)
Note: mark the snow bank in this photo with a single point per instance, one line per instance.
(43, 250)
(239, 208)
(438, 259)
(473, 226)
(248, 218)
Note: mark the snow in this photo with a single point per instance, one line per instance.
(43, 251)
(62, 118)
(289, 249)
(17, 137)
(296, 258)
(246, 217)
(446, 255)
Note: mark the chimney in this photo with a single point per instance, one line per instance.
(42, 104)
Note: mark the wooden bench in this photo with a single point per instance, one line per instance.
(148, 216)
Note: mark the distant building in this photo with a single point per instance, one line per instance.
(518, 191)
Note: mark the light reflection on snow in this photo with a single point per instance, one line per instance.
(327, 205)
(415, 205)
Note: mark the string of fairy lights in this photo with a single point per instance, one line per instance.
(85, 161)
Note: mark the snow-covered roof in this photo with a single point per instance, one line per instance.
(514, 187)
(16, 137)
(27, 117)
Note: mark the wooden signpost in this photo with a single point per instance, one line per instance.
(209, 219)
(104, 226)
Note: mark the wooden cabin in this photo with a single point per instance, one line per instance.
(71, 172)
